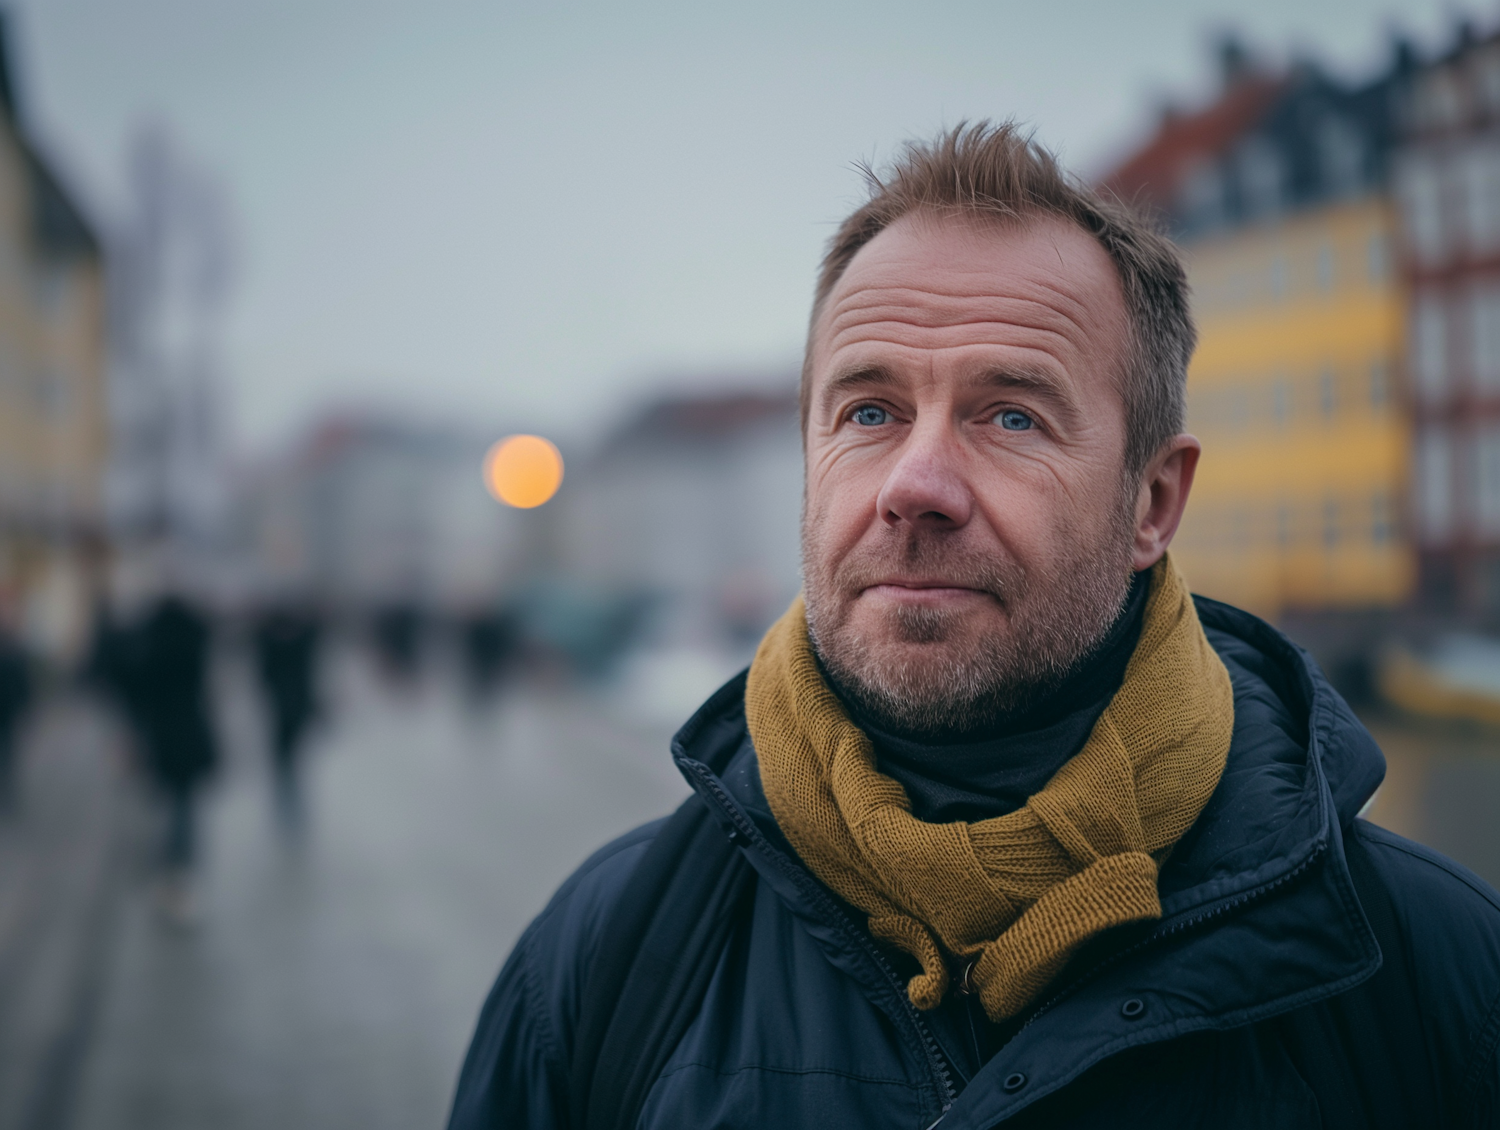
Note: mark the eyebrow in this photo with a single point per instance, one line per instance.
(862, 377)
(1039, 382)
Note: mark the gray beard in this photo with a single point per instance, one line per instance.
(1056, 618)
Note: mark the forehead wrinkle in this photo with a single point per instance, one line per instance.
(1052, 310)
(1056, 339)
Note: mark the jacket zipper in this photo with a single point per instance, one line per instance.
(937, 1061)
(1176, 928)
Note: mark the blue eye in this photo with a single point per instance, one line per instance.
(1013, 420)
(870, 415)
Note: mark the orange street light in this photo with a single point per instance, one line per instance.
(523, 471)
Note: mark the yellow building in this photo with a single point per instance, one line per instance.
(1277, 194)
(52, 400)
(1293, 392)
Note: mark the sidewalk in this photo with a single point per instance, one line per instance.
(64, 856)
(333, 978)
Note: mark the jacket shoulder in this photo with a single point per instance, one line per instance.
(1448, 924)
(558, 946)
(1432, 894)
(517, 1068)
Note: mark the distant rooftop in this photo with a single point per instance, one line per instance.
(1153, 178)
(709, 417)
(1269, 143)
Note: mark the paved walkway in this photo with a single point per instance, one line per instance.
(64, 857)
(332, 978)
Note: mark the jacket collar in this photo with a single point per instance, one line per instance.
(1259, 911)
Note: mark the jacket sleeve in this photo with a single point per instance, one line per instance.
(516, 1073)
(1486, 1075)
(1449, 919)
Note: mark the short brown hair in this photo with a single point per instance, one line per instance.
(997, 172)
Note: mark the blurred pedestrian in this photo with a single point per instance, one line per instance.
(286, 654)
(114, 664)
(15, 697)
(490, 639)
(165, 685)
(398, 632)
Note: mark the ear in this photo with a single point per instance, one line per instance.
(1162, 498)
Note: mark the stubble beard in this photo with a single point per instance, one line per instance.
(928, 671)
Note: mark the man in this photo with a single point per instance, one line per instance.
(1029, 837)
(166, 690)
(15, 700)
(286, 659)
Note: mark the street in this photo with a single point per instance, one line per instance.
(331, 978)
(332, 971)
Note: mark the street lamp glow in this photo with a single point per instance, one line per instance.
(523, 471)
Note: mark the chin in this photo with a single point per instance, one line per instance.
(915, 631)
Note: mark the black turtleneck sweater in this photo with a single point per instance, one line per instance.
(974, 776)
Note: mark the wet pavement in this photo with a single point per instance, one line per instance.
(332, 970)
(330, 976)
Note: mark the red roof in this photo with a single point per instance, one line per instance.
(1151, 177)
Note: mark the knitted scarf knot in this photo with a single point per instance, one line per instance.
(1013, 897)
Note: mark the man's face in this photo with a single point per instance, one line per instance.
(967, 529)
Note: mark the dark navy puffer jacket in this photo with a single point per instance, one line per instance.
(1259, 999)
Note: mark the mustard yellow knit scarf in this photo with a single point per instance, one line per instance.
(1008, 899)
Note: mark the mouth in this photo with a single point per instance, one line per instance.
(923, 591)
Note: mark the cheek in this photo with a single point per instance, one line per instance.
(1029, 509)
(840, 502)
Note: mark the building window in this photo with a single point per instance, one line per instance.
(1328, 388)
(1489, 80)
(1434, 486)
(1278, 276)
(1203, 196)
(1238, 409)
(1440, 99)
(1486, 460)
(1480, 179)
(1429, 347)
(1420, 191)
(1342, 153)
(1240, 528)
(1261, 176)
(49, 392)
(1378, 258)
(1380, 384)
(1382, 520)
(1239, 289)
(1281, 401)
(1325, 268)
(1484, 335)
(1331, 529)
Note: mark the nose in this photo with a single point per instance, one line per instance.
(927, 487)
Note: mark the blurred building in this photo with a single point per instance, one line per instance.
(365, 513)
(1277, 194)
(1448, 186)
(694, 504)
(170, 280)
(52, 394)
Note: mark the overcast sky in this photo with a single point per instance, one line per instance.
(526, 215)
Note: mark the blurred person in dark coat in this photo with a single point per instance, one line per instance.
(165, 684)
(397, 633)
(15, 697)
(490, 641)
(286, 653)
